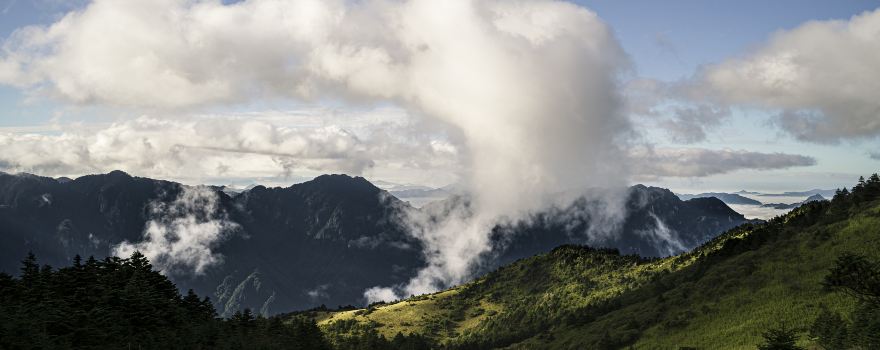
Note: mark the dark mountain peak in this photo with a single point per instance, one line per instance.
(655, 191)
(257, 188)
(115, 176)
(641, 195)
(118, 174)
(714, 206)
(815, 197)
(338, 186)
(63, 179)
(341, 181)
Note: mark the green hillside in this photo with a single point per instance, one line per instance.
(724, 294)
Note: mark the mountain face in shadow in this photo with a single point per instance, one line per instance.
(655, 223)
(320, 242)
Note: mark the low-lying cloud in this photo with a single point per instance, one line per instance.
(181, 235)
(698, 162)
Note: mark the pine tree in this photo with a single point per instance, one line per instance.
(857, 276)
(780, 339)
(830, 330)
(30, 270)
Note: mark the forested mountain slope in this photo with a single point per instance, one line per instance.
(723, 294)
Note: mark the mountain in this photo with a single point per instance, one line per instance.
(656, 223)
(723, 294)
(823, 193)
(324, 241)
(813, 198)
(729, 198)
(747, 192)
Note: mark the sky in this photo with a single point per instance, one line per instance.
(695, 96)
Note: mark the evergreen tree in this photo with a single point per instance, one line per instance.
(830, 330)
(856, 276)
(125, 304)
(781, 338)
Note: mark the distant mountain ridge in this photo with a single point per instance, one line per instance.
(729, 198)
(323, 241)
(813, 198)
(823, 193)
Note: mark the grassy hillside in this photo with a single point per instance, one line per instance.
(723, 294)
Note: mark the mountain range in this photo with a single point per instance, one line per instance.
(729, 198)
(319, 242)
(812, 198)
(805, 280)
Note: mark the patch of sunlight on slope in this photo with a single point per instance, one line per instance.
(737, 299)
(434, 314)
(706, 298)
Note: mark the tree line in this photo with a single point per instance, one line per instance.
(118, 303)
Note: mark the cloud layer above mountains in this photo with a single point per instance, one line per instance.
(698, 162)
(530, 81)
(195, 149)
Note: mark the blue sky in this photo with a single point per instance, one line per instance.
(667, 41)
(670, 40)
(700, 32)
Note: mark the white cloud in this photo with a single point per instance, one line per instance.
(376, 294)
(757, 211)
(180, 235)
(193, 149)
(665, 239)
(698, 162)
(690, 124)
(657, 105)
(822, 77)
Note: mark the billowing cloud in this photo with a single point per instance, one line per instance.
(874, 155)
(822, 77)
(180, 235)
(698, 162)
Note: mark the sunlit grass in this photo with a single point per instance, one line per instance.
(697, 299)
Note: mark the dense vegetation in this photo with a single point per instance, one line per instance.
(775, 284)
(125, 304)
